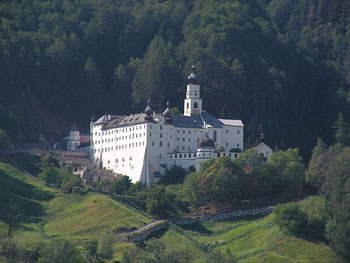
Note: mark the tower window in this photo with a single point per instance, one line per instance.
(195, 105)
(187, 105)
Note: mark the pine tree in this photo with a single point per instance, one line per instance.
(341, 131)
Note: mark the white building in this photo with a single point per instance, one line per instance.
(143, 146)
(263, 148)
(76, 141)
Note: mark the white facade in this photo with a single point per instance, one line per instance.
(143, 146)
(73, 139)
(264, 149)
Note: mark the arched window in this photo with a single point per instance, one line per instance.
(195, 105)
(187, 105)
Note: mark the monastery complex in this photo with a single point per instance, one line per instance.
(145, 145)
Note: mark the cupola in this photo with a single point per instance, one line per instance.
(148, 109)
(167, 112)
(192, 78)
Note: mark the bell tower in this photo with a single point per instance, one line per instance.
(193, 101)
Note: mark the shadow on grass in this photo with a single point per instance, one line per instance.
(197, 227)
(21, 199)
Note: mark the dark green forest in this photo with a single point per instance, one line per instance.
(282, 66)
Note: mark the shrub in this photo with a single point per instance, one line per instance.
(291, 218)
(315, 208)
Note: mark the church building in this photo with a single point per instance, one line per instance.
(144, 146)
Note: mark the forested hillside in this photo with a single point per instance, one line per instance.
(282, 65)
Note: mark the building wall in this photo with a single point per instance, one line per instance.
(146, 150)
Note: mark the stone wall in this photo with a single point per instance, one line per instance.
(144, 232)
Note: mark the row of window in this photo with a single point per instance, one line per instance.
(189, 155)
(138, 127)
(120, 147)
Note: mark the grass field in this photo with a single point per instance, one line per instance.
(248, 240)
(47, 213)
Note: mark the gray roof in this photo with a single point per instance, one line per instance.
(119, 121)
(74, 128)
(193, 121)
(231, 122)
(196, 121)
(104, 119)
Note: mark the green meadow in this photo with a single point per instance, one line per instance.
(47, 213)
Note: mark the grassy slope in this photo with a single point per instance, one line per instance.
(258, 240)
(47, 213)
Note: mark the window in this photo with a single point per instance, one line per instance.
(150, 134)
(177, 138)
(189, 139)
(123, 159)
(161, 127)
(116, 160)
(237, 144)
(160, 143)
(150, 126)
(183, 148)
(187, 105)
(152, 143)
(130, 158)
(168, 145)
(183, 131)
(195, 105)
(161, 135)
(237, 131)
(195, 94)
(227, 144)
(226, 131)
(183, 139)
(189, 155)
(189, 132)
(177, 131)
(160, 156)
(214, 136)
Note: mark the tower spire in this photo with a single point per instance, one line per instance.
(193, 102)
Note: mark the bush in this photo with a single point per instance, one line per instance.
(315, 208)
(291, 218)
(159, 202)
(60, 251)
(121, 185)
(51, 176)
(175, 175)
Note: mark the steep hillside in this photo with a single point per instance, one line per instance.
(43, 213)
(248, 240)
(280, 66)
